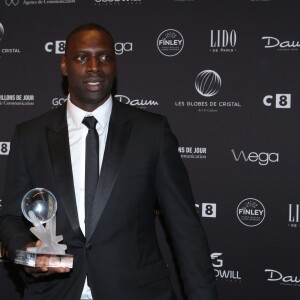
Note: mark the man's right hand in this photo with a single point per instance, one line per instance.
(38, 272)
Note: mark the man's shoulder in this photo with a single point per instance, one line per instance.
(45, 117)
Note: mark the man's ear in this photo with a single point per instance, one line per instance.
(63, 66)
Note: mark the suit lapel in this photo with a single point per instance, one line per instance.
(118, 135)
(58, 143)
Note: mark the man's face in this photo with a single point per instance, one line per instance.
(89, 63)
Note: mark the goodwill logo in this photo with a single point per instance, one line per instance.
(222, 273)
(251, 212)
(141, 103)
(282, 279)
(208, 84)
(117, 2)
(275, 43)
(170, 42)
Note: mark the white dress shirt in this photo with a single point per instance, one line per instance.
(77, 136)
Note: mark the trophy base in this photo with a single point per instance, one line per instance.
(39, 260)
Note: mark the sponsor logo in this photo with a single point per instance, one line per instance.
(7, 50)
(1, 32)
(4, 149)
(141, 103)
(120, 48)
(251, 212)
(41, 2)
(7, 100)
(282, 279)
(12, 2)
(222, 273)
(223, 41)
(117, 2)
(281, 100)
(58, 47)
(192, 152)
(208, 83)
(170, 42)
(209, 210)
(56, 102)
(262, 158)
(274, 43)
(294, 212)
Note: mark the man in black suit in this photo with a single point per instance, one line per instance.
(116, 254)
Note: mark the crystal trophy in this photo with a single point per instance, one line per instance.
(39, 206)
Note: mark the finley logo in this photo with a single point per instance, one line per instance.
(208, 83)
(251, 212)
(170, 42)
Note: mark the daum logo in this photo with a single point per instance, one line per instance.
(273, 42)
(170, 42)
(262, 158)
(251, 212)
(208, 83)
(136, 102)
(12, 2)
(1, 32)
(276, 276)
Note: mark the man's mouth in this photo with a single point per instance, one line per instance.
(93, 86)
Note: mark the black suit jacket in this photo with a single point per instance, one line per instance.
(120, 253)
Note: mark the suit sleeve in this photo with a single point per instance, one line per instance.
(178, 207)
(14, 229)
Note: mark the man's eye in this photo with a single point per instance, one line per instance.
(81, 58)
(105, 58)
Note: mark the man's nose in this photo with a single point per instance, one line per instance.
(94, 64)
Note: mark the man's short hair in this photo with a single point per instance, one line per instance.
(85, 27)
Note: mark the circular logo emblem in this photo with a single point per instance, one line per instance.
(208, 83)
(251, 212)
(170, 42)
(1, 31)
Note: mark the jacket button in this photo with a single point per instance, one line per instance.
(88, 246)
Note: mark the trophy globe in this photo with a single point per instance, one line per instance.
(41, 202)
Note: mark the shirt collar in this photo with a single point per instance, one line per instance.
(102, 113)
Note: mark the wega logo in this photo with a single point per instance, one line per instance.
(12, 2)
(273, 42)
(262, 158)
